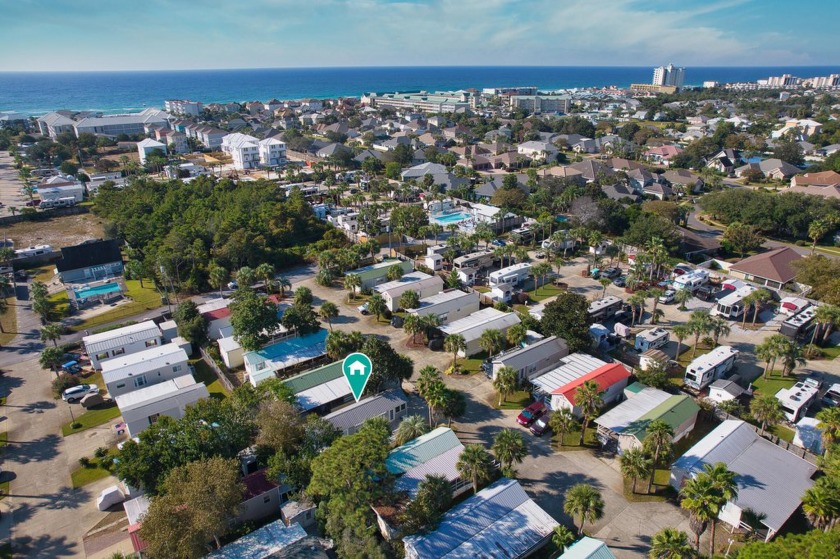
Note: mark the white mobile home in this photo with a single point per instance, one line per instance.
(732, 305)
(692, 280)
(122, 341)
(604, 308)
(376, 274)
(710, 367)
(390, 405)
(448, 306)
(143, 407)
(473, 326)
(128, 373)
(480, 260)
(797, 399)
(512, 275)
(424, 284)
(566, 370)
(532, 360)
(652, 339)
(467, 276)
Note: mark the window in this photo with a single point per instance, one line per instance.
(121, 385)
(140, 381)
(266, 498)
(176, 368)
(391, 415)
(101, 356)
(402, 407)
(118, 351)
(151, 343)
(153, 418)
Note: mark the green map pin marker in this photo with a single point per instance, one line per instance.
(357, 368)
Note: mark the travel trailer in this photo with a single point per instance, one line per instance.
(652, 339)
(512, 275)
(710, 367)
(732, 305)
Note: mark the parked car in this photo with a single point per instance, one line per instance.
(76, 393)
(436, 344)
(540, 255)
(233, 285)
(397, 322)
(498, 242)
(595, 273)
(540, 426)
(668, 296)
(620, 281)
(611, 272)
(33, 203)
(364, 308)
(532, 413)
(72, 367)
(91, 400)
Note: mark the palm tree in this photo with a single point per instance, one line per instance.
(605, 282)
(821, 503)
(747, 302)
(516, 334)
(245, 276)
(818, 229)
(719, 327)
(767, 410)
(51, 332)
(540, 270)
(265, 272)
(476, 464)
(825, 317)
(724, 482)
(700, 498)
(637, 301)
(682, 296)
(328, 311)
(453, 343)
(509, 449)
(829, 425)
(410, 428)
(760, 297)
(635, 464)
(562, 537)
(584, 501)
(351, 283)
(791, 354)
(377, 306)
(506, 381)
(217, 277)
(589, 400)
(670, 543)
(413, 325)
(680, 332)
(655, 293)
(700, 324)
(409, 299)
(768, 351)
(561, 422)
(283, 284)
(658, 443)
(430, 322)
(491, 341)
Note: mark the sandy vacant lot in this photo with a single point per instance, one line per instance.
(57, 232)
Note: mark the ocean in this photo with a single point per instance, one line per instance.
(36, 93)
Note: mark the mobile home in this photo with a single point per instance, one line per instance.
(479, 260)
(448, 306)
(710, 367)
(513, 275)
(732, 305)
(424, 284)
(652, 339)
(600, 309)
(798, 324)
(692, 280)
(797, 399)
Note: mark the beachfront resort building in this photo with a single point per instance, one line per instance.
(248, 152)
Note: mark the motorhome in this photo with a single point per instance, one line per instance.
(36, 250)
(652, 339)
(522, 235)
(436, 249)
(732, 306)
(798, 324)
(710, 367)
(692, 280)
(601, 309)
(797, 399)
(791, 306)
(512, 274)
(478, 260)
(832, 395)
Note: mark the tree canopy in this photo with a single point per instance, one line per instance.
(568, 317)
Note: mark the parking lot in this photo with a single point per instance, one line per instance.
(10, 185)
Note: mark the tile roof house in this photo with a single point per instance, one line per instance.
(770, 168)
(619, 192)
(771, 269)
(824, 179)
(662, 154)
(771, 480)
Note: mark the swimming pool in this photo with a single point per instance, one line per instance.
(97, 290)
(452, 218)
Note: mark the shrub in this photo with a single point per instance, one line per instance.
(101, 452)
(63, 382)
(85, 462)
(811, 351)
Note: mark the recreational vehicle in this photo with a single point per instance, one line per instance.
(692, 280)
(798, 398)
(522, 235)
(732, 306)
(710, 367)
(792, 306)
(512, 274)
(651, 339)
(478, 260)
(798, 324)
(601, 309)
(36, 250)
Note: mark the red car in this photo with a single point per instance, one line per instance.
(531, 414)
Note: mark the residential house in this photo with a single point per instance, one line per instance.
(424, 284)
(820, 180)
(471, 327)
(61, 187)
(321, 390)
(538, 151)
(265, 363)
(129, 372)
(771, 269)
(217, 314)
(532, 360)
(449, 305)
(724, 161)
(588, 548)
(771, 480)
(568, 173)
(500, 521)
(662, 155)
(90, 261)
(611, 380)
(389, 405)
(272, 541)
(56, 123)
(769, 168)
(147, 146)
(377, 273)
(485, 191)
(802, 128)
(174, 140)
(659, 190)
(592, 170)
(683, 181)
(625, 426)
(694, 244)
(142, 408)
(249, 153)
(419, 171)
(640, 179)
(566, 370)
(619, 192)
(121, 341)
(724, 390)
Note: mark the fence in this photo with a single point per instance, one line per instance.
(792, 448)
(223, 378)
(43, 215)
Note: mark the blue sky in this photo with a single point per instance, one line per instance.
(38, 35)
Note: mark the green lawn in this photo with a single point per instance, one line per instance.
(82, 475)
(686, 358)
(142, 299)
(92, 418)
(203, 373)
(42, 274)
(571, 440)
(831, 352)
(516, 401)
(544, 292)
(773, 383)
(8, 320)
(472, 365)
(782, 432)
(60, 305)
(4, 486)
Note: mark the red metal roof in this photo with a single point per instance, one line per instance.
(217, 314)
(605, 376)
(134, 533)
(257, 484)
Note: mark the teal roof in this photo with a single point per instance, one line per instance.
(674, 411)
(636, 387)
(315, 377)
(381, 268)
(421, 450)
(588, 548)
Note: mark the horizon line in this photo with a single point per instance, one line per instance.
(386, 67)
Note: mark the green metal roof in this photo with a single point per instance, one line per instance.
(674, 411)
(421, 450)
(636, 387)
(381, 268)
(313, 378)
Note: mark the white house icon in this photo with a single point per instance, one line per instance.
(357, 367)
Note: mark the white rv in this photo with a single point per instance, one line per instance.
(710, 367)
(512, 275)
(798, 398)
(478, 260)
(652, 339)
(692, 280)
(600, 309)
(732, 305)
(790, 306)
(799, 323)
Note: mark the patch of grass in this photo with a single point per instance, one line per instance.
(515, 401)
(60, 305)
(544, 292)
(482, 289)
(144, 298)
(782, 432)
(203, 373)
(42, 273)
(4, 437)
(571, 440)
(773, 383)
(831, 352)
(83, 476)
(472, 365)
(658, 493)
(92, 418)
(9, 322)
(686, 357)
